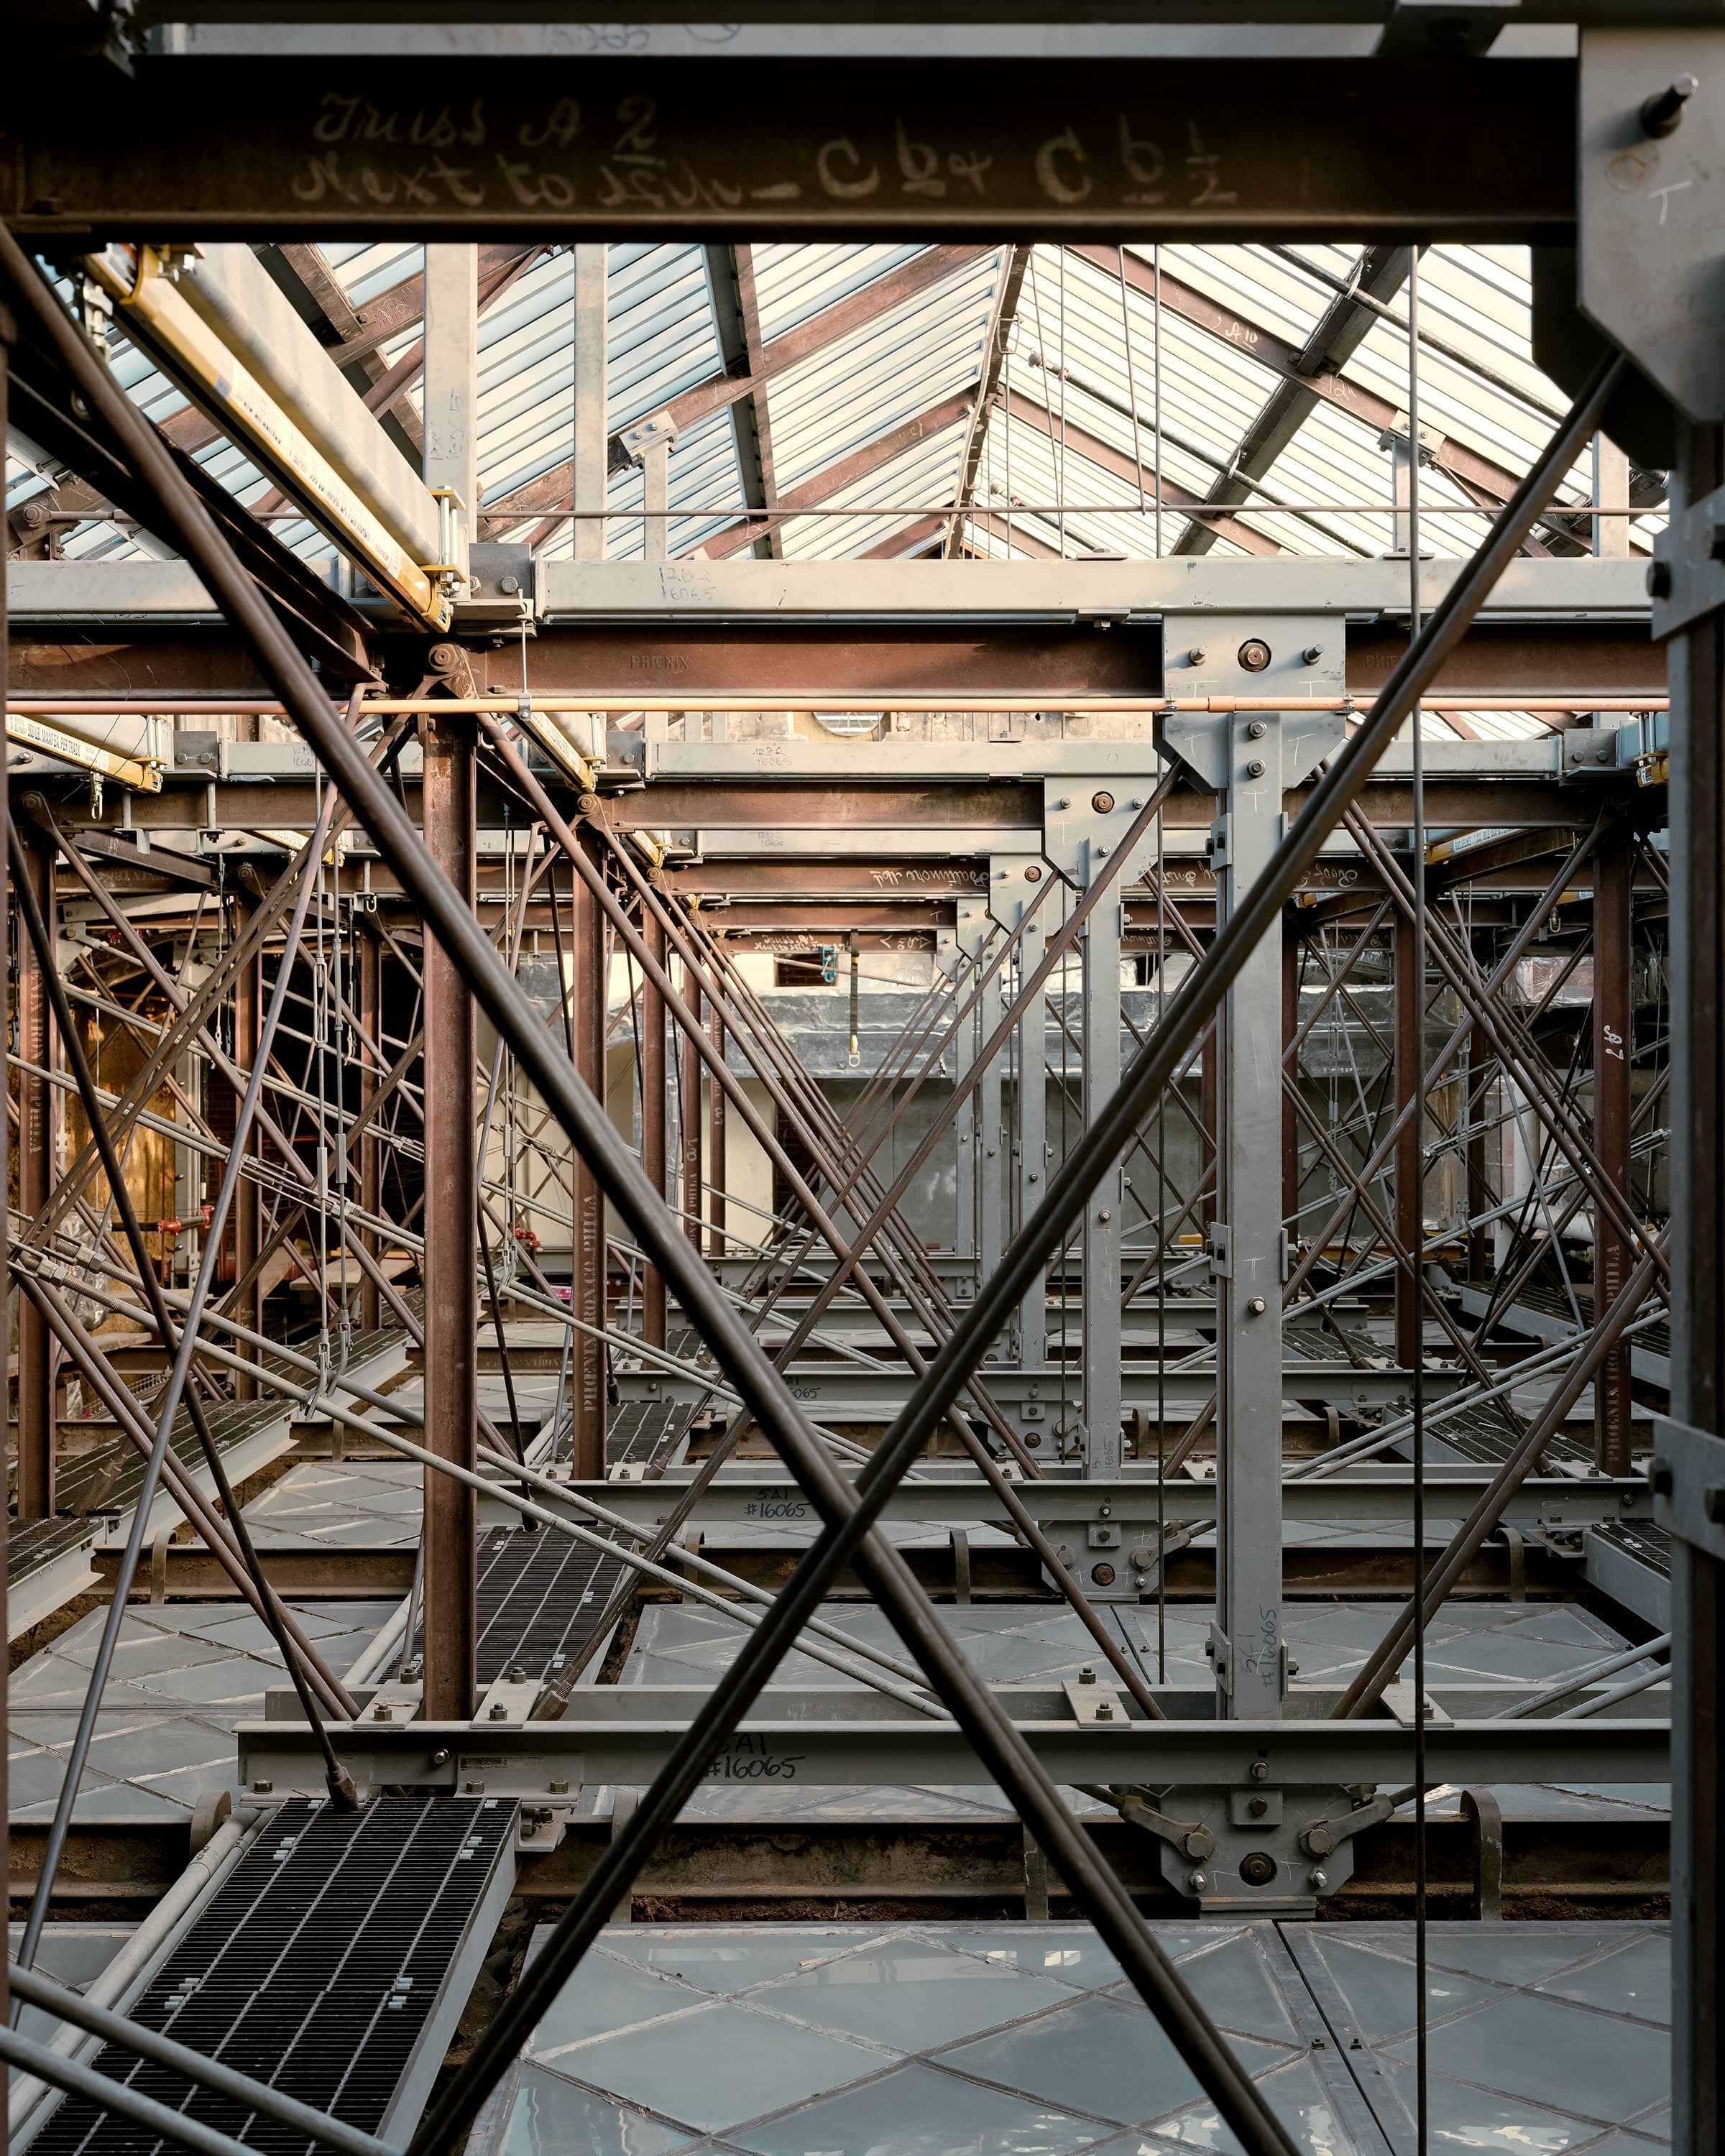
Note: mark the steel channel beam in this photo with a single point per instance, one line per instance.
(1367, 1500)
(450, 1603)
(523, 1759)
(848, 1392)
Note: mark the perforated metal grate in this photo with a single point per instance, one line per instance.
(317, 1969)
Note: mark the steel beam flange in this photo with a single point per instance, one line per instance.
(1688, 1477)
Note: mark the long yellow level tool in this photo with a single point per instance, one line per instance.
(217, 380)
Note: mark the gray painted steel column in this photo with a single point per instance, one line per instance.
(593, 439)
(450, 455)
(949, 953)
(1085, 820)
(975, 931)
(1014, 883)
(1101, 936)
(1248, 759)
(1247, 1242)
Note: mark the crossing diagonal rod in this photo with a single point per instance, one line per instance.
(1386, 1144)
(341, 1788)
(1028, 1527)
(849, 1531)
(205, 2072)
(295, 1647)
(1381, 1665)
(1153, 1068)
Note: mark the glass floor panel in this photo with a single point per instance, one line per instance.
(1022, 2040)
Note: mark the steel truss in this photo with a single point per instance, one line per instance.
(889, 1382)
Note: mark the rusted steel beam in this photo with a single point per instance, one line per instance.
(653, 1121)
(38, 1116)
(587, 1356)
(371, 1150)
(401, 146)
(450, 1597)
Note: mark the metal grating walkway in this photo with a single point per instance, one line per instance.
(333, 1964)
(540, 1595)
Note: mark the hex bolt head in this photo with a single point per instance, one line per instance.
(1260, 1770)
(1257, 1307)
(1312, 654)
(1197, 656)
(1319, 1881)
(1102, 803)
(1198, 1882)
(1087, 1675)
(1257, 1806)
(1317, 1840)
(1662, 114)
(1257, 730)
(559, 1789)
(500, 1712)
(1105, 1711)
(1197, 1843)
(1033, 874)
(1254, 655)
(1255, 769)
(262, 1788)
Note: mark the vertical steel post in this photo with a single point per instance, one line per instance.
(36, 1177)
(593, 439)
(1102, 937)
(690, 1117)
(984, 1121)
(248, 1304)
(716, 1136)
(1409, 1148)
(450, 1598)
(1249, 759)
(371, 1149)
(1030, 1114)
(1209, 1115)
(1614, 883)
(1478, 1181)
(1293, 953)
(1247, 1243)
(588, 1254)
(7, 336)
(653, 1116)
(1696, 671)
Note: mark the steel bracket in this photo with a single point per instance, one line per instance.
(1687, 576)
(1688, 1479)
